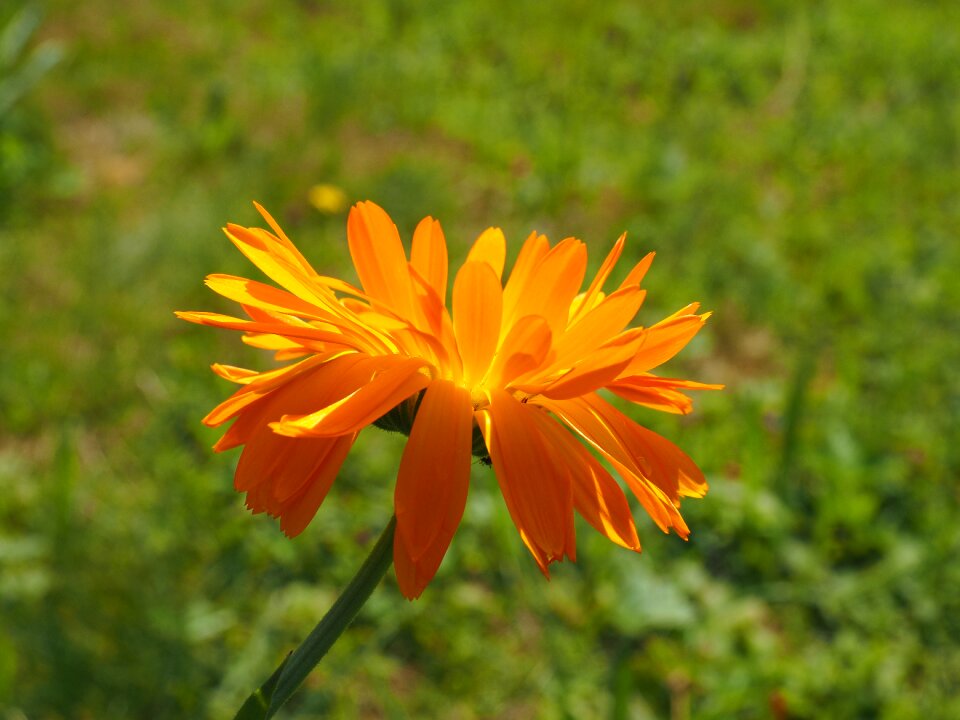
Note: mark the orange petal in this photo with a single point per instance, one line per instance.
(374, 318)
(325, 452)
(430, 302)
(552, 285)
(596, 286)
(491, 248)
(428, 255)
(267, 297)
(664, 340)
(657, 382)
(399, 379)
(263, 453)
(298, 511)
(266, 324)
(293, 353)
(535, 487)
(533, 251)
(477, 305)
(524, 349)
(432, 483)
(599, 324)
(260, 385)
(291, 329)
(657, 392)
(379, 258)
(441, 328)
(657, 482)
(596, 495)
(287, 462)
(260, 499)
(270, 342)
(413, 577)
(312, 384)
(434, 310)
(292, 251)
(656, 458)
(284, 266)
(639, 271)
(590, 373)
(270, 465)
(240, 431)
(669, 401)
(425, 345)
(658, 506)
(668, 461)
(239, 375)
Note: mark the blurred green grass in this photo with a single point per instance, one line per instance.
(795, 167)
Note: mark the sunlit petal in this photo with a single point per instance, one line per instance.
(428, 255)
(525, 348)
(535, 487)
(385, 389)
(596, 495)
(664, 340)
(432, 483)
(550, 286)
(490, 248)
(477, 307)
(379, 257)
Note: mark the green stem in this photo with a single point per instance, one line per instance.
(277, 689)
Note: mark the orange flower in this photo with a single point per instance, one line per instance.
(500, 378)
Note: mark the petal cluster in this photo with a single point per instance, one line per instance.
(516, 364)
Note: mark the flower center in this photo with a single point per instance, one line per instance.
(478, 396)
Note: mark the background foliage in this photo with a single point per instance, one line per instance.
(794, 165)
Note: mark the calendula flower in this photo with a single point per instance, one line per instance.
(328, 199)
(512, 375)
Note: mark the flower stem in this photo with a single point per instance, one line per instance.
(277, 689)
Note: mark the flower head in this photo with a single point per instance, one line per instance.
(513, 374)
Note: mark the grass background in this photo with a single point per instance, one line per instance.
(795, 165)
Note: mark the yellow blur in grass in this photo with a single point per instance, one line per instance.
(328, 199)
